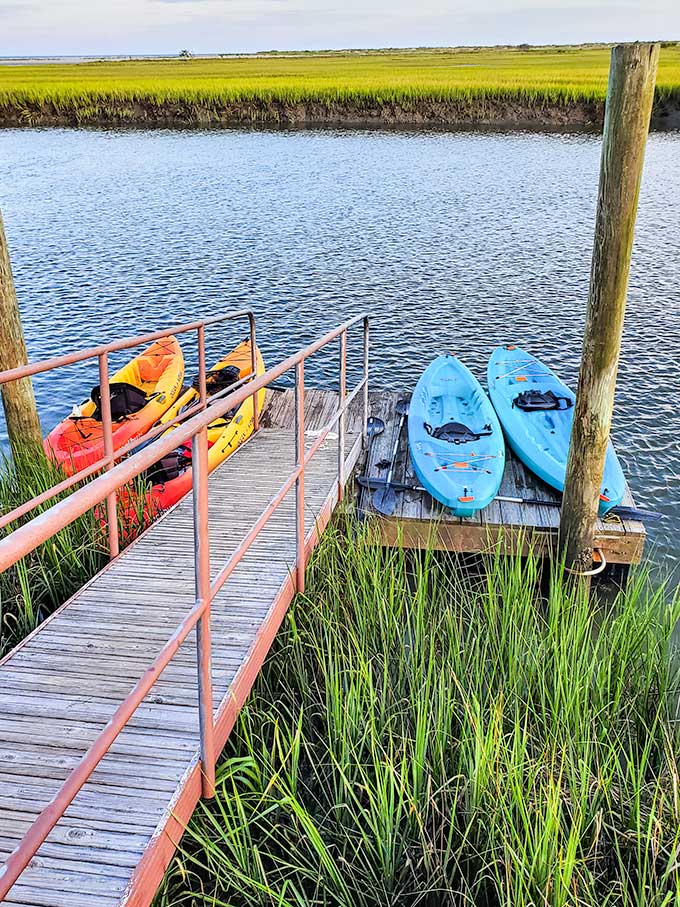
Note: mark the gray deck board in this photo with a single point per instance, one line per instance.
(59, 688)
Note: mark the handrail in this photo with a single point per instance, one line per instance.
(27, 537)
(110, 455)
(59, 515)
(120, 452)
(294, 476)
(115, 346)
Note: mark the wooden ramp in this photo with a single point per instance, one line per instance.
(418, 518)
(60, 687)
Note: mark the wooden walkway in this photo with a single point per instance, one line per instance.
(419, 519)
(62, 684)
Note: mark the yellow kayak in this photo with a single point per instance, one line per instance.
(172, 477)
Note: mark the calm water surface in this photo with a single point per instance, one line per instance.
(453, 241)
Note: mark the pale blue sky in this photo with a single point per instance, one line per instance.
(225, 26)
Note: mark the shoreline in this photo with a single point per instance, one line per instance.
(423, 112)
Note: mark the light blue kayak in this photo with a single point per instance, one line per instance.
(455, 438)
(520, 387)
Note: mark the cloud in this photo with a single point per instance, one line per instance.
(93, 27)
(14, 9)
(244, 6)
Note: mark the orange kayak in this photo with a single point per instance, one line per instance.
(140, 393)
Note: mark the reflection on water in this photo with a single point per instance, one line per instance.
(453, 241)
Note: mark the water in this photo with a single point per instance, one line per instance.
(453, 241)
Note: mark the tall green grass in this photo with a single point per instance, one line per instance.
(426, 736)
(536, 75)
(32, 589)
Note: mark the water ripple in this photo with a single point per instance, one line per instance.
(454, 241)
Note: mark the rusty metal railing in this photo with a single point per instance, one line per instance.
(28, 536)
(101, 353)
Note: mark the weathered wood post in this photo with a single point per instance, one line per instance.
(632, 76)
(23, 424)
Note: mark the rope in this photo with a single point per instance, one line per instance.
(590, 572)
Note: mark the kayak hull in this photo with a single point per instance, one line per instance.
(541, 439)
(77, 443)
(464, 475)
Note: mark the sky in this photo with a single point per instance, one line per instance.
(46, 27)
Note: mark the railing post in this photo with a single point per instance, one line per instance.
(364, 427)
(342, 420)
(199, 461)
(253, 361)
(202, 383)
(300, 481)
(107, 434)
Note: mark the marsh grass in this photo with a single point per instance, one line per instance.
(550, 75)
(32, 589)
(422, 735)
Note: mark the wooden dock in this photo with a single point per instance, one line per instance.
(418, 519)
(60, 687)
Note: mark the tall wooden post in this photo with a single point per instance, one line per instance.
(630, 94)
(21, 414)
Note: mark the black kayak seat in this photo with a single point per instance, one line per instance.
(532, 401)
(126, 399)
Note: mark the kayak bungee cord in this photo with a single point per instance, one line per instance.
(522, 374)
(450, 463)
(462, 467)
(450, 457)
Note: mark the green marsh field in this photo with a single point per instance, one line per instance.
(424, 736)
(552, 76)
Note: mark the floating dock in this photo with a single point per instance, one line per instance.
(419, 520)
(61, 685)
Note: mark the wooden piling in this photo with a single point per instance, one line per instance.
(630, 93)
(21, 414)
